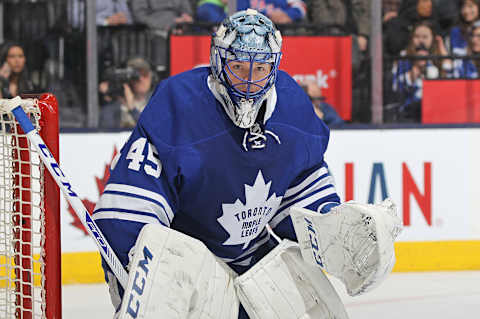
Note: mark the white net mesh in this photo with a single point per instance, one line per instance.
(22, 232)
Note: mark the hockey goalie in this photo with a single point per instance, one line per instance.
(224, 160)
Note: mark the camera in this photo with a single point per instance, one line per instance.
(119, 76)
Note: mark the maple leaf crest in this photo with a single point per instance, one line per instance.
(246, 222)
(89, 205)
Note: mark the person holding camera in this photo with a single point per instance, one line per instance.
(125, 93)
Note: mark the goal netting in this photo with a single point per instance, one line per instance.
(30, 277)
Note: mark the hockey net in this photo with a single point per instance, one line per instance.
(30, 277)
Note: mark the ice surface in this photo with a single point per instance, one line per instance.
(439, 295)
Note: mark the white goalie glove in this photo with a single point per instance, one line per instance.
(353, 242)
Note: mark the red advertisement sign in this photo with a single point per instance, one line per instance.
(325, 60)
(451, 101)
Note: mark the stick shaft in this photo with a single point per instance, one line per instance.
(71, 196)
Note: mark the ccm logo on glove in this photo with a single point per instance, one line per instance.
(313, 241)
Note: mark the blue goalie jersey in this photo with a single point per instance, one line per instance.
(188, 167)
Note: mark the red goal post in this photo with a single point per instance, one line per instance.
(30, 255)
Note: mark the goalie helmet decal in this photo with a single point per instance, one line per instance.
(249, 38)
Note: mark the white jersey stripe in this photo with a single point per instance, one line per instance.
(307, 181)
(302, 203)
(245, 262)
(252, 249)
(125, 216)
(115, 202)
(328, 179)
(257, 244)
(142, 192)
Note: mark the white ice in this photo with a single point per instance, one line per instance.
(439, 295)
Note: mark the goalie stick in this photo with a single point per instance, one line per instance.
(14, 106)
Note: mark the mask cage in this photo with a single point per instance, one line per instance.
(226, 56)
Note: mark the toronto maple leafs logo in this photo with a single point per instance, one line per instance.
(245, 222)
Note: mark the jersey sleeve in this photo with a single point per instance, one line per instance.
(314, 188)
(141, 190)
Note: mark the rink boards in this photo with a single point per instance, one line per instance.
(432, 175)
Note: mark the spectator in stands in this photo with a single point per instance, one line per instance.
(458, 36)
(474, 48)
(14, 78)
(390, 9)
(279, 11)
(324, 111)
(161, 16)
(447, 14)
(469, 68)
(113, 12)
(211, 11)
(349, 17)
(409, 73)
(109, 13)
(124, 106)
(352, 16)
(398, 29)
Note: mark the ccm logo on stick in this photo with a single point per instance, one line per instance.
(139, 283)
(56, 169)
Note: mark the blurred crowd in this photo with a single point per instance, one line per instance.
(422, 39)
(426, 39)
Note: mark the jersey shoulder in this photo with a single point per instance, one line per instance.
(182, 109)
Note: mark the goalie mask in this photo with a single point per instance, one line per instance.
(244, 58)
